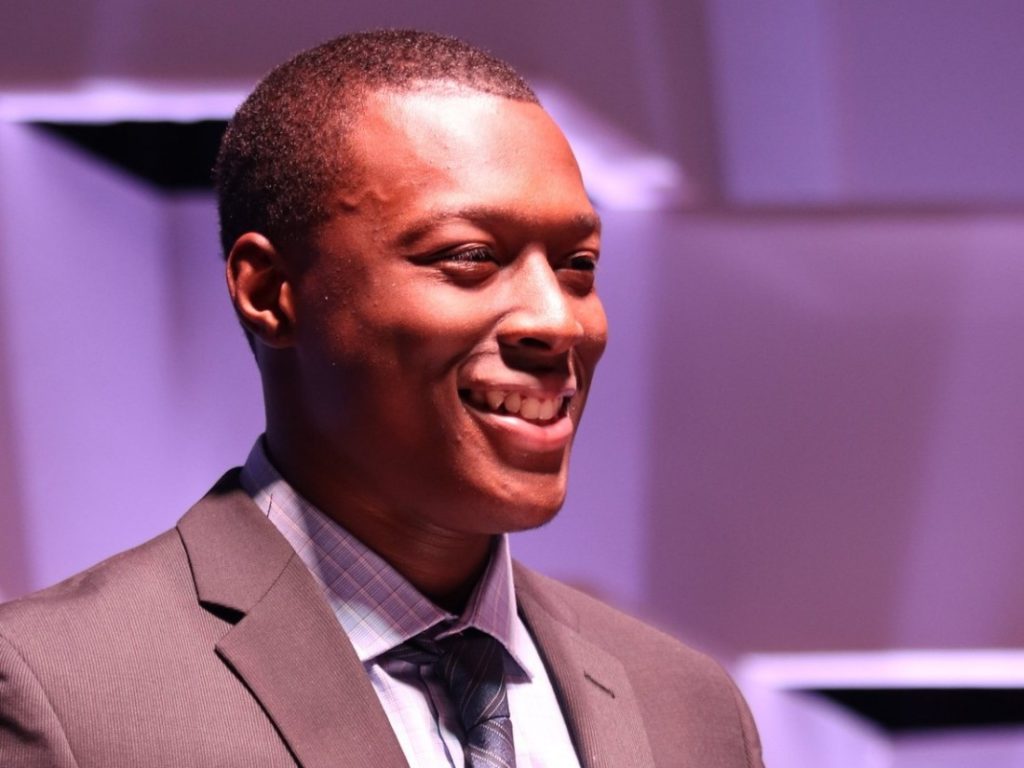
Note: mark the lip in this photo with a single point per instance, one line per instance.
(523, 436)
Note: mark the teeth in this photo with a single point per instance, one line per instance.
(547, 409)
(526, 407)
(530, 408)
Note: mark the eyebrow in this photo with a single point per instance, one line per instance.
(582, 224)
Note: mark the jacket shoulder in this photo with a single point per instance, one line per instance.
(61, 647)
(685, 696)
(608, 627)
(153, 576)
(121, 580)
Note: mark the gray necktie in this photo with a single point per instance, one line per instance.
(472, 667)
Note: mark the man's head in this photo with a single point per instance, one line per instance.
(427, 331)
(283, 153)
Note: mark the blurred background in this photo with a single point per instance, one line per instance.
(803, 453)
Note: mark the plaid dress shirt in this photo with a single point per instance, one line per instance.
(380, 610)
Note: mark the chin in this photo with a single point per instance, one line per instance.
(523, 511)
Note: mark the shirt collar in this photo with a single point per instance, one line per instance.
(375, 605)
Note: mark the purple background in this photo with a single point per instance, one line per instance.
(807, 432)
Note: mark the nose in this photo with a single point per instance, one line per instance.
(542, 315)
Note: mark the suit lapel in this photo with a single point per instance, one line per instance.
(295, 658)
(287, 646)
(597, 698)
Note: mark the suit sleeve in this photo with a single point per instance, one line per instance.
(31, 735)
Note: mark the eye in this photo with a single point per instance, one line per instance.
(585, 262)
(475, 255)
(578, 271)
(468, 265)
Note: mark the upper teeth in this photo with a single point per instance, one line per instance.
(529, 407)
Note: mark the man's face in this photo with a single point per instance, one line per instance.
(447, 327)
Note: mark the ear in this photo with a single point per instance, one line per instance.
(261, 290)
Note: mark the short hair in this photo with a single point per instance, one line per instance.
(283, 152)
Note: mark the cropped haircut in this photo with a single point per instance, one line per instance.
(283, 152)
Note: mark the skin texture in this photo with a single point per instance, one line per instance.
(460, 259)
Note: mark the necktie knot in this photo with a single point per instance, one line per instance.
(471, 666)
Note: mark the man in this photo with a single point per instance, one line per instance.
(412, 254)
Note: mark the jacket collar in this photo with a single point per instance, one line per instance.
(285, 644)
(598, 702)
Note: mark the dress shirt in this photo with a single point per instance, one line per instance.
(379, 610)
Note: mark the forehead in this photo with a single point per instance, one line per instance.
(450, 148)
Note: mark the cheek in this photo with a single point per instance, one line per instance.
(398, 368)
(432, 334)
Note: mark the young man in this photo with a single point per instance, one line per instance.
(411, 253)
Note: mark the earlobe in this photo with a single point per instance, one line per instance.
(260, 289)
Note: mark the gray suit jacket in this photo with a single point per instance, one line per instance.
(211, 646)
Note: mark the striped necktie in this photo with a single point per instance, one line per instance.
(472, 667)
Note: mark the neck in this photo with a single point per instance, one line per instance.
(448, 589)
(444, 565)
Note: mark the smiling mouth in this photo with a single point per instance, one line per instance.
(536, 410)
